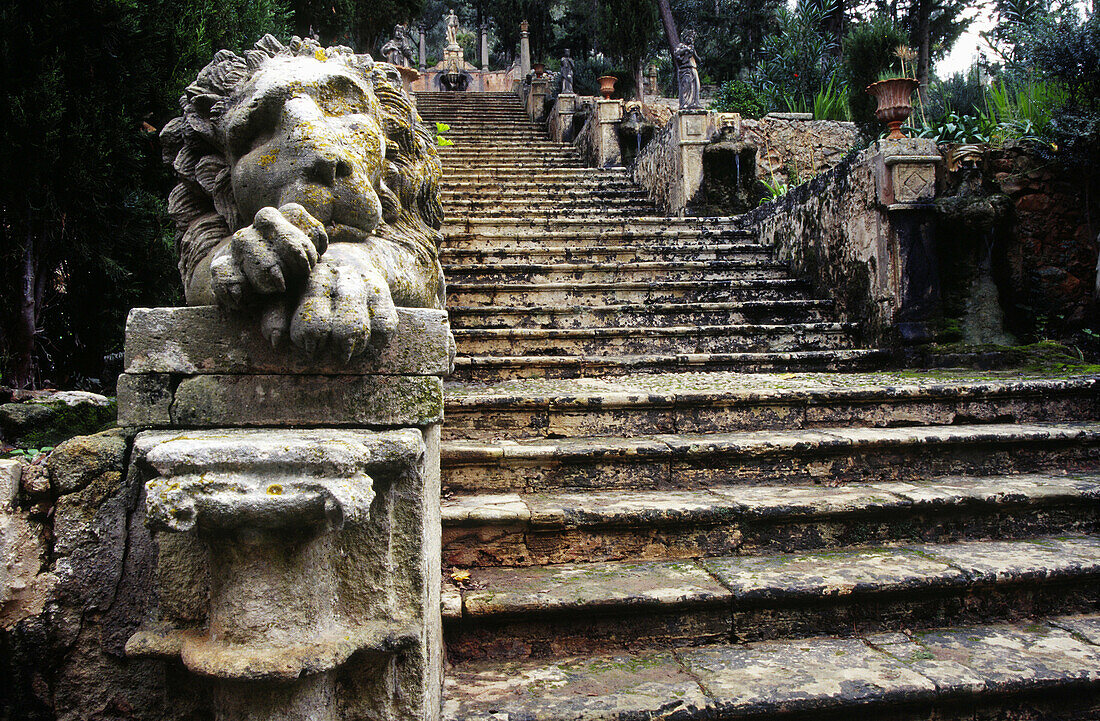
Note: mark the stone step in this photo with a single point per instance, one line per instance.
(650, 405)
(1040, 668)
(514, 530)
(506, 188)
(629, 605)
(457, 237)
(502, 156)
(538, 253)
(492, 199)
(707, 460)
(748, 269)
(542, 175)
(593, 208)
(494, 369)
(654, 339)
(596, 294)
(640, 315)
(621, 229)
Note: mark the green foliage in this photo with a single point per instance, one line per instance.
(728, 32)
(799, 58)
(627, 27)
(831, 102)
(955, 128)
(364, 25)
(868, 49)
(774, 188)
(441, 141)
(28, 453)
(737, 96)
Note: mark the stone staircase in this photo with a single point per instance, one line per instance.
(676, 488)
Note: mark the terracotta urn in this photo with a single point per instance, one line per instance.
(895, 103)
(539, 69)
(607, 85)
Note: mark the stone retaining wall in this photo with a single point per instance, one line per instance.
(787, 146)
(655, 168)
(828, 232)
(1051, 248)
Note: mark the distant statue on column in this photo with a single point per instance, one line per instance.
(399, 49)
(452, 29)
(567, 65)
(687, 72)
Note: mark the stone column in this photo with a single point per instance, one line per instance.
(524, 50)
(296, 507)
(694, 129)
(609, 113)
(484, 46)
(423, 49)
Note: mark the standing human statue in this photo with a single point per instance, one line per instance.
(567, 73)
(687, 73)
(452, 29)
(399, 49)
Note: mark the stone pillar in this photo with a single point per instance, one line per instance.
(561, 117)
(654, 86)
(296, 508)
(694, 129)
(423, 49)
(905, 183)
(524, 50)
(484, 46)
(609, 113)
(536, 98)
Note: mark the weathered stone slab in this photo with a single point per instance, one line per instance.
(1006, 658)
(668, 584)
(803, 675)
(208, 401)
(1037, 559)
(205, 339)
(831, 574)
(635, 686)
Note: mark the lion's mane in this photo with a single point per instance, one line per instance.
(202, 204)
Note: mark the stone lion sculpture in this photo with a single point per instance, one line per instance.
(308, 191)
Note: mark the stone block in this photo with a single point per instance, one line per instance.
(205, 339)
(10, 474)
(912, 178)
(209, 401)
(145, 401)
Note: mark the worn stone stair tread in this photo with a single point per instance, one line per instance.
(518, 266)
(549, 366)
(752, 283)
(732, 386)
(461, 254)
(749, 444)
(618, 586)
(634, 508)
(944, 672)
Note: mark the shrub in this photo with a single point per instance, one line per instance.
(737, 96)
(869, 49)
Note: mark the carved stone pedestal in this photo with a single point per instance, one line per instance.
(296, 508)
(609, 113)
(694, 129)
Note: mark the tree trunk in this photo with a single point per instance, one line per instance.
(924, 47)
(670, 28)
(23, 340)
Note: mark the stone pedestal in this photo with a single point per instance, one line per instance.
(561, 117)
(296, 507)
(694, 129)
(536, 98)
(905, 185)
(454, 55)
(609, 113)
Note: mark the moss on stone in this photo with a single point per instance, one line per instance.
(37, 425)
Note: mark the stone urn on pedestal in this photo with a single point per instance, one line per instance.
(895, 103)
(607, 85)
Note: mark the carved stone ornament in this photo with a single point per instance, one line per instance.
(308, 195)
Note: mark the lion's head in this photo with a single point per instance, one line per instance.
(396, 195)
